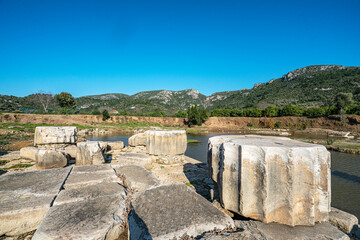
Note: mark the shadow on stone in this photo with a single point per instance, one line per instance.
(198, 176)
(137, 227)
(3, 153)
(2, 172)
(346, 176)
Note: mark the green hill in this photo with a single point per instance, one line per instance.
(308, 87)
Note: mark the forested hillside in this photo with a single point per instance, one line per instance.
(312, 86)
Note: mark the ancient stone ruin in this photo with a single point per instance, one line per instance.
(268, 179)
(272, 179)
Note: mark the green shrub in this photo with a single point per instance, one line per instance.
(105, 115)
(96, 112)
(277, 125)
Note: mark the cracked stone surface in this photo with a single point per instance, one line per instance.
(26, 197)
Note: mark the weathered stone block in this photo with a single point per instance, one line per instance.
(47, 159)
(133, 159)
(256, 230)
(137, 178)
(26, 197)
(96, 218)
(170, 211)
(55, 135)
(137, 140)
(275, 179)
(89, 153)
(88, 192)
(28, 153)
(115, 145)
(344, 221)
(166, 142)
(213, 157)
(88, 175)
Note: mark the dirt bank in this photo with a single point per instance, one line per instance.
(350, 124)
(86, 120)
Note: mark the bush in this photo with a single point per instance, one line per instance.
(221, 113)
(271, 111)
(180, 114)
(253, 112)
(330, 141)
(277, 125)
(196, 116)
(96, 112)
(291, 110)
(105, 115)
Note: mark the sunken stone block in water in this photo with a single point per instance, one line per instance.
(273, 179)
(166, 142)
(55, 135)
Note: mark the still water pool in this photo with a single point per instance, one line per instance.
(345, 171)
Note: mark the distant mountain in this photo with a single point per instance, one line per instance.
(309, 86)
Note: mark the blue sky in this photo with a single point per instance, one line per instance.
(94, 47)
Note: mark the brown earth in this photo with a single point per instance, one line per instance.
(86, 120)
(350, 124)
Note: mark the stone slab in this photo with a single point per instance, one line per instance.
(137, 140)
(137, 178)
(28, 153)
(44, 182)
(47, 159)
(88, 175)
(93, 168)
(25, 198)
(133, 159)
(55, 135)
(344, 221)
(97, 218)
(89, 192)
(166, 142)
(89, 153)
(273, 231)
(170, 211)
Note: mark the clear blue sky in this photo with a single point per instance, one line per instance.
(94, 47)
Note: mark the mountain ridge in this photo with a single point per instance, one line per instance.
(315, 85)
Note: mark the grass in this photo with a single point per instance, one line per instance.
(193, 131)
(3, 162)
(131, 125)
(351, 147)
(192, 141)
(20, 165)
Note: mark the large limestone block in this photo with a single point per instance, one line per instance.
(89, 153)
(166, 142)
(213, 157)
(133, 159)
(256, 230)
(96, 218)
(137, 140)
(170, 211)
(82, 176)
(344, 221)
(88, 192)
(275, 179)
(26, 197)
(28, 153)
(137, 178)
(47, 159)
(55, 135)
